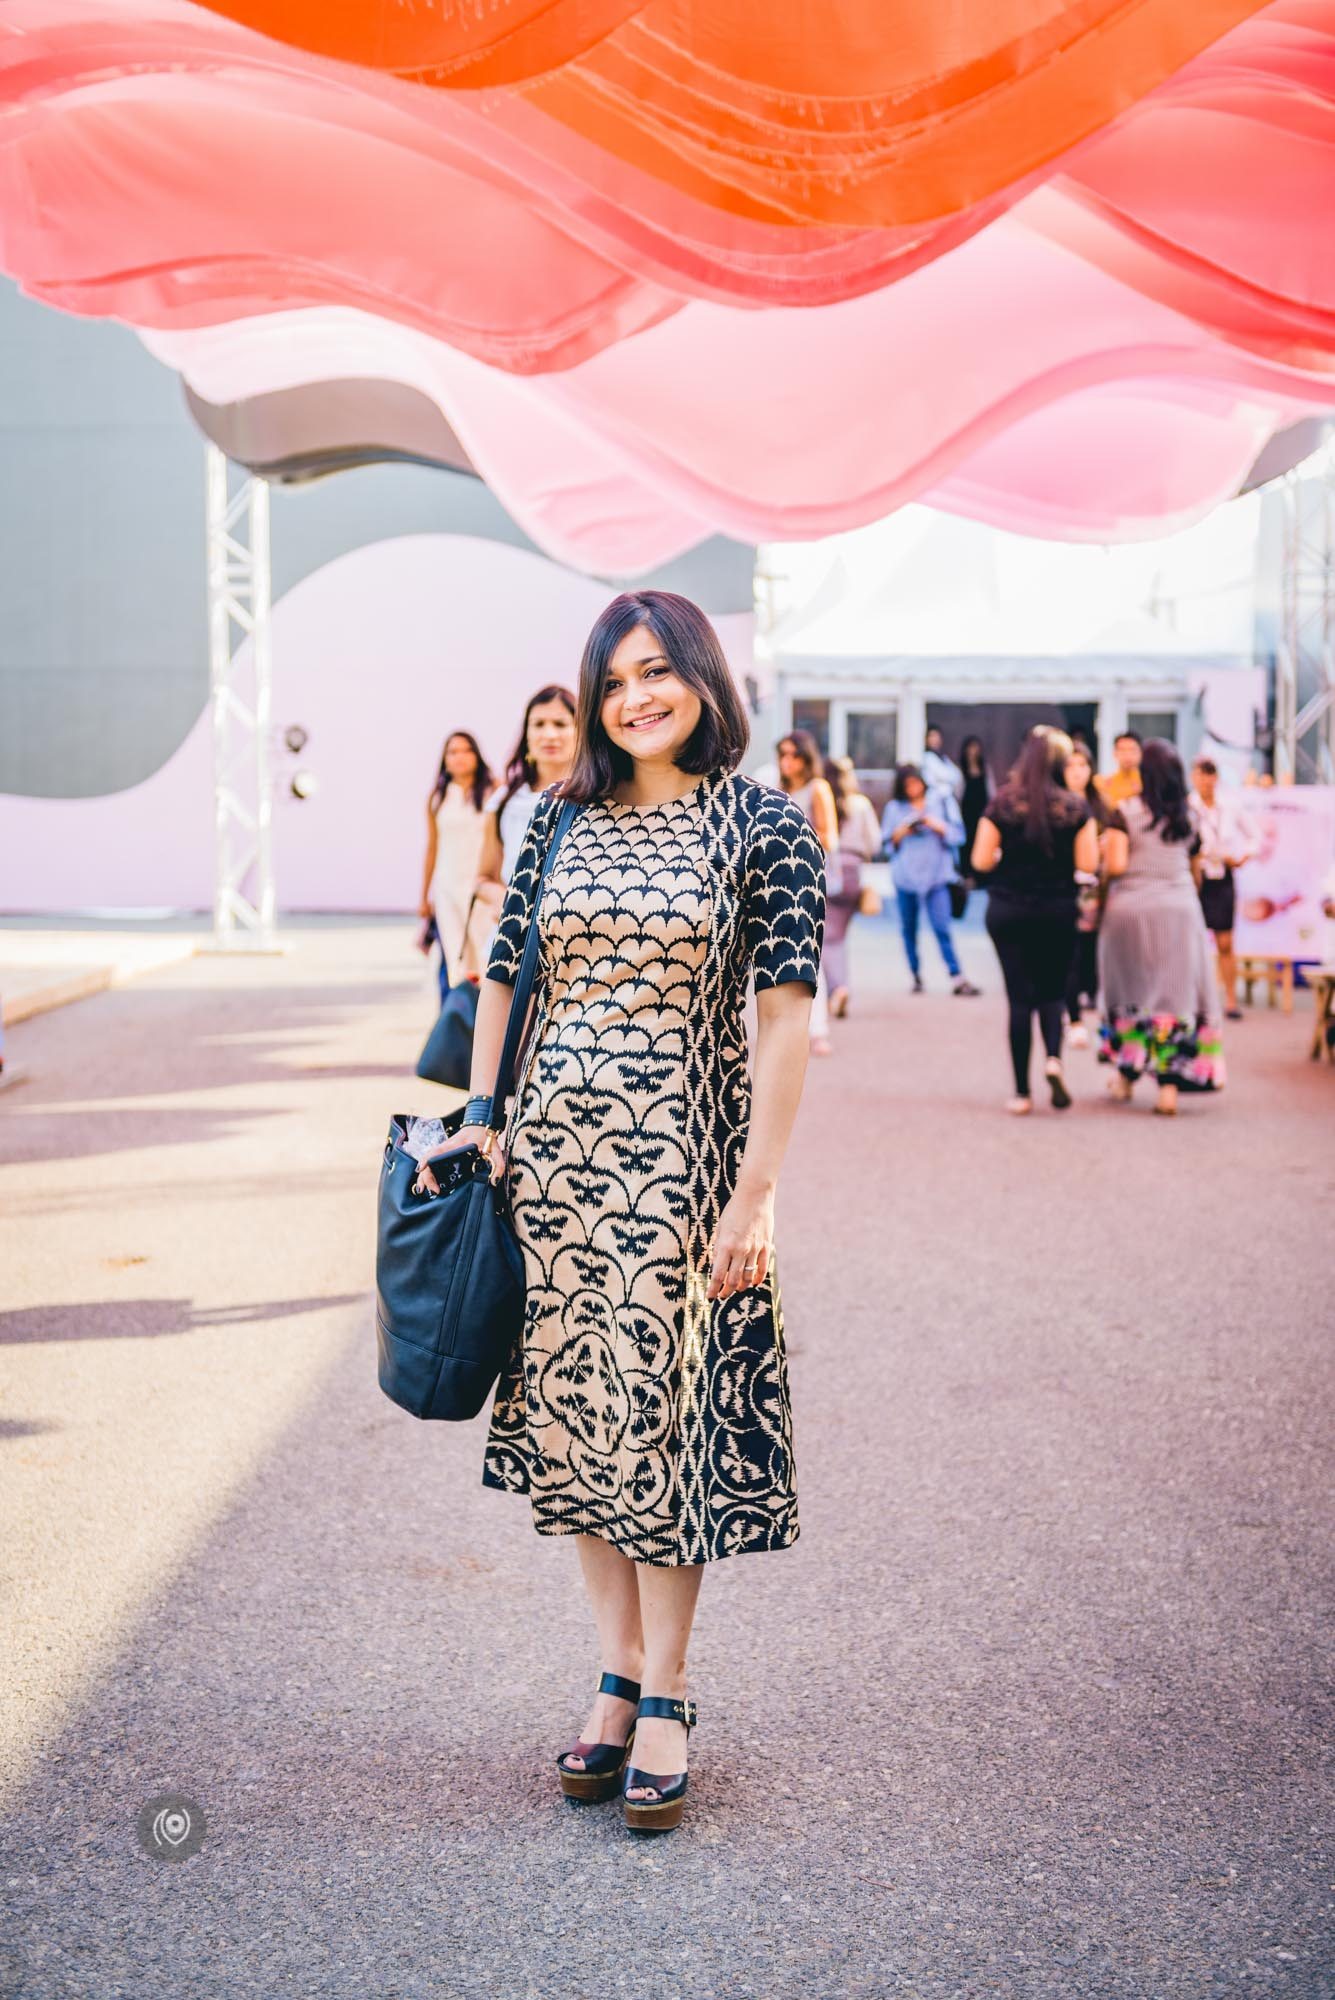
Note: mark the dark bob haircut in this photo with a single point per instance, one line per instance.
(691, 646)
(900, 791)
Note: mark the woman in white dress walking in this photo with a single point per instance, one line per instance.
(455, 827)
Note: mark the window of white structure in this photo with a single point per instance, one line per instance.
(1149, 722)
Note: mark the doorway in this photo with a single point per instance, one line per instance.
(1003, 726)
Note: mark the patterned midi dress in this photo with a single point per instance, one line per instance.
(634, 1408)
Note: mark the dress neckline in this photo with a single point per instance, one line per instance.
(663, 805)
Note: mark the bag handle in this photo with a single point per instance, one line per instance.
(524, 978)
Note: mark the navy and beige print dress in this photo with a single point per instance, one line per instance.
(635, 1408)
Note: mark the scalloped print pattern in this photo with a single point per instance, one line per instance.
(635, 1408)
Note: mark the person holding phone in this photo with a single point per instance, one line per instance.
(923, 831)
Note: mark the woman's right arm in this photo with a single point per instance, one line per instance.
(432, 841)
(1116, 850)
(493, 1015)
(986, 847)
(489, 864)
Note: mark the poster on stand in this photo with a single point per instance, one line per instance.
(1280, 892)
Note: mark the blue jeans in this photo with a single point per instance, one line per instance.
(938, 916)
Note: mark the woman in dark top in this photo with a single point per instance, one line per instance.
(973, 799)
(1082, 980)
(1030, 842)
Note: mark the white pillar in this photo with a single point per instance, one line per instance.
(1112, 721)
(240, 680)
(911, 732)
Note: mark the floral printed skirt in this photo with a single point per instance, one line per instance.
(1164, 1046)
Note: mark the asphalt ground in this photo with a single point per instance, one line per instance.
(1038, 1705)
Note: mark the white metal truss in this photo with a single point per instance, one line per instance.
(241, 684)
(1305, 662)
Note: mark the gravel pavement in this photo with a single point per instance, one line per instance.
(1039, 1704)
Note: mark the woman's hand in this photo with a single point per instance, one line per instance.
(467, 1135)
(743, 1245)
(425, 909)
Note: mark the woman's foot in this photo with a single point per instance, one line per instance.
(820, 1045)
(839, 1002)
(1061, 1096)
(610, 1721)
(1167, 1100)
(1119, 1089)
(660, 1747)
(1077, 1036)
(917, 986)
(966, 988)
(1019, 1107)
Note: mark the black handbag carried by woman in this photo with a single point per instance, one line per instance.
(449, 1270)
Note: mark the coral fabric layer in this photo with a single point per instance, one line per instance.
(635, 354)
(168, 168)
(854, 112)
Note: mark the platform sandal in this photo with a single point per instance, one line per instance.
(664, 1810)
(603, 1762)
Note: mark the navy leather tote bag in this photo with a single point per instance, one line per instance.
(449, 1269)
(447, 1055)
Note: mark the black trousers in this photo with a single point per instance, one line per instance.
(1082, 978)
(1035, 948)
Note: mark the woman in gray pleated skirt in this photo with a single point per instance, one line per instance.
(1156, 970)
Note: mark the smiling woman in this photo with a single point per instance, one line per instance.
(645, 1410)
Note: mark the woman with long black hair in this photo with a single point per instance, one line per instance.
(1156, 965)
(1082, 981)
(455, 826)
(645, 1410)
(542, 756)
(1031, 840)
(976, 792)
(859, 841)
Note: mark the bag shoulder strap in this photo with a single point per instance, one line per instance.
(524, 978)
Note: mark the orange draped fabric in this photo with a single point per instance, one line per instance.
(854, 113)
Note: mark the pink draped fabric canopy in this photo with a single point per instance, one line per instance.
(1088, 338)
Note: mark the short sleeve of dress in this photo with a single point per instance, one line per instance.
(517, 910)
(783, 897)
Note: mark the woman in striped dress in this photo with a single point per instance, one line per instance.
(1156, 966)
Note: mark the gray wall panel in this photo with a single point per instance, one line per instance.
(103, 641)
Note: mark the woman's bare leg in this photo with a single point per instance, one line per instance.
(667, 1612)
(610, 1583)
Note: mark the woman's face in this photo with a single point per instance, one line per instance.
(460, 760)
(550, 737)
(792, 764)
(647, 709)
(915, 791)
(1078, 772)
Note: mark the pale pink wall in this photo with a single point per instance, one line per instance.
(378, 656)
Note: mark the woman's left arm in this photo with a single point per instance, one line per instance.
(743, 1243)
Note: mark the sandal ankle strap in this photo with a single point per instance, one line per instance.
(618, 1685)
(669, 1708)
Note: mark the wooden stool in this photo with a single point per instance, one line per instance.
(1321, 979)
(1276, 972)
